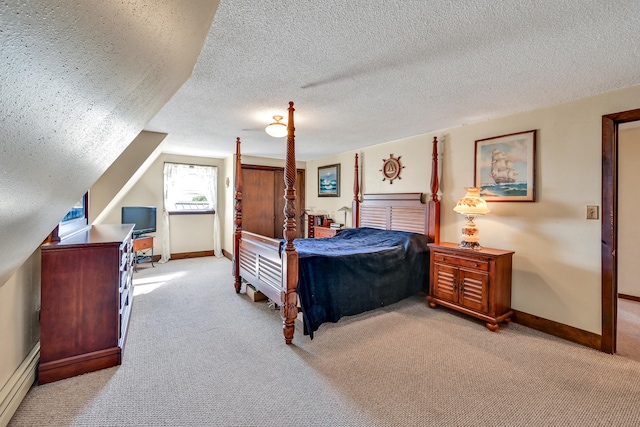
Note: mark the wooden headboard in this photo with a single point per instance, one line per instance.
(400, 211)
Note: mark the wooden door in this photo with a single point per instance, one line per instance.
(279, 200)
(263, 200)
(258, 193)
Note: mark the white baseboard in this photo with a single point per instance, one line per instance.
(12, 393)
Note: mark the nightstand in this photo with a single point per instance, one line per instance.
(320, 232)
(474, 282)
(142, 250)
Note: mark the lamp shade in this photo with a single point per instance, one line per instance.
(472, 203)
(276, 129)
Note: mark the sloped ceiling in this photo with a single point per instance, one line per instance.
(363, 72)
(79, 81)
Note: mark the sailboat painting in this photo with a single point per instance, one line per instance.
(505, 167)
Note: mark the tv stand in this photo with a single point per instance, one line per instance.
(142, 250)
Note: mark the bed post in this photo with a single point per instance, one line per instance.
(434, 203)
(355, 205)
(289, 307)
(238, 219)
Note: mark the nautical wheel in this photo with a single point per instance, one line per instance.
(391, 168)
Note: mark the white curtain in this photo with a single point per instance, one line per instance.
(210, 176)
(170, 173)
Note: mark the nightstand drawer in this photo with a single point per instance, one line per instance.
(460, 262)
(142, 243)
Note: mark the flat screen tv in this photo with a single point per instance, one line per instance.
(144, 218)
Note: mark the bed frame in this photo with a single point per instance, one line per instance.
(271, 265)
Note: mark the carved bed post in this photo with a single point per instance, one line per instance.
(355, 205)
(238, 219)
(434, 203)
(289, 307)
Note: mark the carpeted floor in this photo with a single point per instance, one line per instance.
(628, 327)
(197, 354)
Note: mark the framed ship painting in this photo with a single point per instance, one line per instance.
(505, 167)
(329, 181)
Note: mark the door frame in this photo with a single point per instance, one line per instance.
(609, 232)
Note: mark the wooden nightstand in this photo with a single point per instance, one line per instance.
(142, 250)
(477, 283)
(320, 232)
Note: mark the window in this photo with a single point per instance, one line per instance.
(190, 188)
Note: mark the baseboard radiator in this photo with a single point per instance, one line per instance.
(12, 393)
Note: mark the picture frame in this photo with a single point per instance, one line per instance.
(505, 167)
(329, 181)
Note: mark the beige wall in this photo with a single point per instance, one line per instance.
(19, 325)
(628, 205)
(556, 271)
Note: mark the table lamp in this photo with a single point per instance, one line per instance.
(471, 205)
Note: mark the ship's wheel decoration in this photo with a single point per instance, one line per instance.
(391, 168)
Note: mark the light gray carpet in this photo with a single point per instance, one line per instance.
(200, 355)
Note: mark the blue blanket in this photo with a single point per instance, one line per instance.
(358, 270)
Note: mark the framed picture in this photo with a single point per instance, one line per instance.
(329, 181)
(505, 167)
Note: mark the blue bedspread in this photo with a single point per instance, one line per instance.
(359, 270)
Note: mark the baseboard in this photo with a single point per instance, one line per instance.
(560, 330)
(14, 391)
(629, 297)
(227, 255)
(185, 255)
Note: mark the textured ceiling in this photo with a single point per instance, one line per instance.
(364, 72)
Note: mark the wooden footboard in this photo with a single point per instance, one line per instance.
(261, 264)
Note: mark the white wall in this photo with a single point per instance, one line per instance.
(556, 271)
(628, 205)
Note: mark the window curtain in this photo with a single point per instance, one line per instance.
(170, 174)
(210, 176)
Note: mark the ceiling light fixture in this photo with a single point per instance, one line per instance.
(276, 129)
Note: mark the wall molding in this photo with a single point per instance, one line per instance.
(185, 255)
(629, 297)
(14, 391)
(560, 330)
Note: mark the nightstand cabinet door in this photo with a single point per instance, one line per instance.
(474, 282)
(474, 290)
(445, 284)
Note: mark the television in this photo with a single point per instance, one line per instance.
(144, 218)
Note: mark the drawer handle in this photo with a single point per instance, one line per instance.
(475, 264)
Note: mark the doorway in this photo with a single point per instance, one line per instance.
(610, 155)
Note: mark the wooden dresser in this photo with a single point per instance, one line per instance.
(87, 295)
(477, 283)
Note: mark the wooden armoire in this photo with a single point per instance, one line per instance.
(263, 200)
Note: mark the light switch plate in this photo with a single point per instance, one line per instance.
(593, 212)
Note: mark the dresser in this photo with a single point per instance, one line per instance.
(86, 299)
(477, 283)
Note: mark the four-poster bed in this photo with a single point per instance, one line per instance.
(382, 260)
